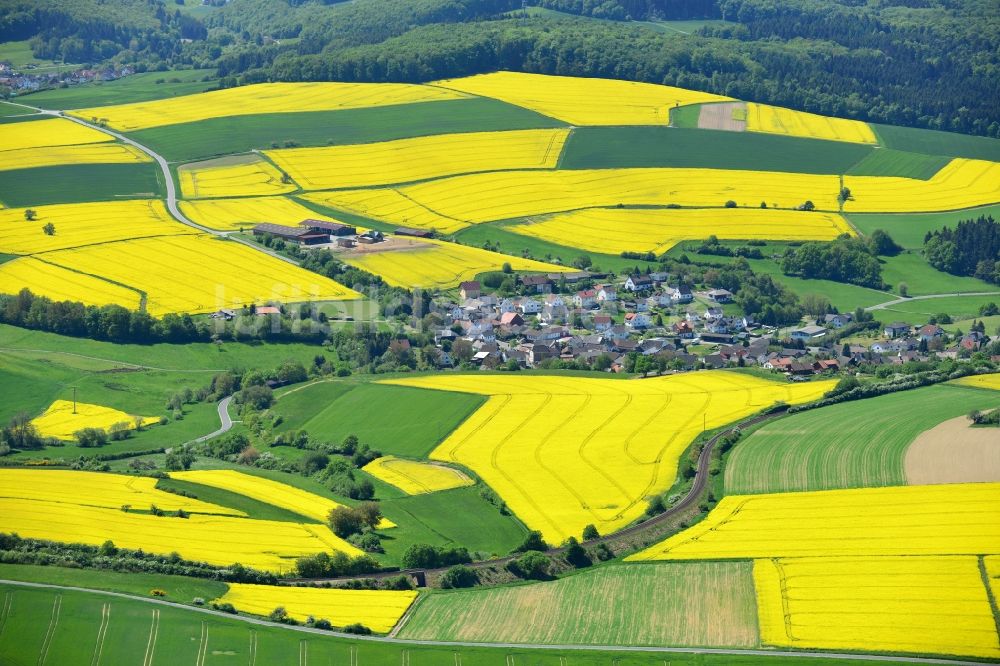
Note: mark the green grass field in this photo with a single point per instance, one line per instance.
(509, 242)
(888, 162)
(690, 604)
(933, 142)
(619, 147)
(136, 88)
(221, 136)
(134, 632)
(19, 54)
(685, 116)
(30, 384)
(392, 419)
(919, 311)
(180, 589)
(458, 517)
(10, 110)
(37, 368)
(75, 183)
(197, 357)
(909, 229)
(848, 445)
(921, 278)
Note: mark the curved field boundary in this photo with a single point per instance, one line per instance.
(648, 531)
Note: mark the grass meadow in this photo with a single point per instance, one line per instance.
(909, 229)
(136, 88)
(180, 589)
(86, 627)
(222, 136)
(685, 604)
(392, 419)
(889, 162)
(921, 278)
(645, 146)
(75, 183)
(848, 445)
(933, 142)
(919, 311)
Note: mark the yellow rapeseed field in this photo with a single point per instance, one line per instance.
(232, 214)
(416, 478)
(60, 421)
(582, 101)
(779, 120)
(263, 98)
(85, 224)
(430, 263)
(219, 540)
(279, 494)
(962, 183)
(197, 274)
(216, 179)
(94, 153)
(61, 284)
(389, 205)
(565, 452)
(97, 489)
(981, 381)
(907, 520)
(379, 610)
(616, 230)
(407, 160)
(928, 604)
(49, 132)
(473, 198)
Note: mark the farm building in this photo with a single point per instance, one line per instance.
(470, 289)
(416, 233)
(301, 235)
(332, 228)
(346, 242)
(372, 236)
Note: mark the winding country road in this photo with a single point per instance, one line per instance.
(168, 179)
(511, 646)
(226, 423)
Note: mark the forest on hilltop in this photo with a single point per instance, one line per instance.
(922, 63)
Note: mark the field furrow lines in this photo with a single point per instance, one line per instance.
(102, 632)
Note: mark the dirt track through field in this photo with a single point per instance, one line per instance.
(954, 452)
(723, 116)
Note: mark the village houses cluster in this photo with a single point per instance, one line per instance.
(575, 317)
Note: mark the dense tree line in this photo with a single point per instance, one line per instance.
(971, 248)
(848, 260)
(873, 61)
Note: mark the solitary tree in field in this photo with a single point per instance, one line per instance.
(30, 214)
(49, 229)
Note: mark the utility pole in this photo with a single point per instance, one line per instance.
(74, 400)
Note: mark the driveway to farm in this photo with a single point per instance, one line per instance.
(882, 306)
(798, 655)
(226, 423)
(168, 178)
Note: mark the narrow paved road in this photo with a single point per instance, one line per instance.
(168, 178)
(882, 306)
(512, 646)
(226, 423)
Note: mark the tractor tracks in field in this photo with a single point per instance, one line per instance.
(650, 530)
(356, 639)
